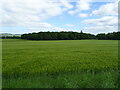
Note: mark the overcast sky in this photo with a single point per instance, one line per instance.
(91, 16)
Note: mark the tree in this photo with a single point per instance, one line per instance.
(69, 36)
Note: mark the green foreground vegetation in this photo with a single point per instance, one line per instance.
(60, 64)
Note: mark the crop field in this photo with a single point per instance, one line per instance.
(59, 64)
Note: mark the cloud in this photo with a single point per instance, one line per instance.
(49, 27)
(82, 5)
(100, 29)
(107, 9)
(104, 24)
(31, 14)
(106, 20)
(70, 25)
(83, 15)
(46, 27)
(23, 12)
(71, 12)
(66, 3)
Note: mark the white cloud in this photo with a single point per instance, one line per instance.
(70, 25)
(94, 0)
(23, 12)
(107, 9)
(71, 12)
(83, 15)
(82, 5)
(100, 29)
(104, 24)
(49, 27)
(106, 20)
(66, 3)
(31, 13)
(63, 29)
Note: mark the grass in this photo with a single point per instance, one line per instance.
(60, 64)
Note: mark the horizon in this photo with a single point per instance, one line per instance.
(59, 31)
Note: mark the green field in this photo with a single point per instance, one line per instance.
(60, 64)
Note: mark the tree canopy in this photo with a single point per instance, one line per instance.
(70, 36)
(57, 36)
(65, 36)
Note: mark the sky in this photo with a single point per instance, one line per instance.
(90, 16)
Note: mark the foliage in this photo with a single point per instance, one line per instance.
(70, 36)
(109, 36)
(57, 36)
(11, 37)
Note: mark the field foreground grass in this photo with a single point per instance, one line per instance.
(60, 64)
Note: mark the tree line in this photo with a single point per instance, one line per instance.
(10, 37)
(109, 36)
(70, 36)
